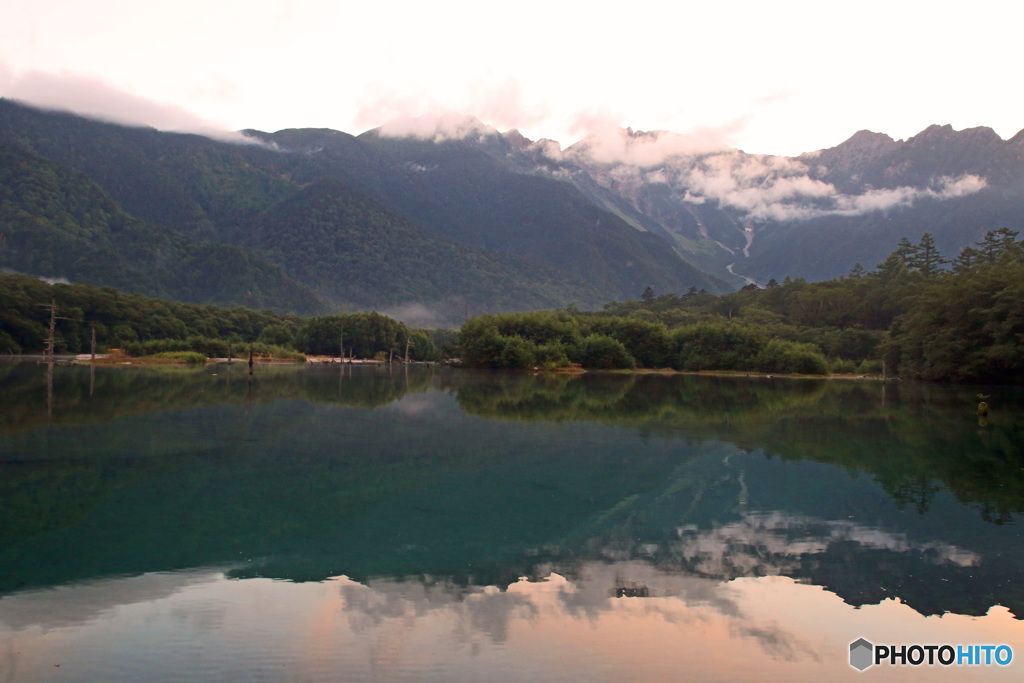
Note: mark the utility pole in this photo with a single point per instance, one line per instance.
(51, 334)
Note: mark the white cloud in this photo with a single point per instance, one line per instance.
(763, 543)
(502, 104)
(75, 604)
(309, 62)
(699, 165)
(607, 143)
(416, 114)
(700, 168)
(437, 128)
(946, 187)
(94, 97)
(762, 187)
(505, 105)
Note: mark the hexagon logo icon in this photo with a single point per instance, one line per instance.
(861, 654)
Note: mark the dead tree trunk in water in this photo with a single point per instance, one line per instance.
(52, 333)
(53, 327)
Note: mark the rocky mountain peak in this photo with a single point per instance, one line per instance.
(867, 140)
(935, 134)
(934, 131)
(852, 157)
(516, 139)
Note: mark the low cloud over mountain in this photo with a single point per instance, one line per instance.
(96, 98)
(619, 211)
(700, 168)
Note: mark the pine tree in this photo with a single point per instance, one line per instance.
(968, 258)
(905, 252)
(927, 258)
(996, 243)
(892, 268)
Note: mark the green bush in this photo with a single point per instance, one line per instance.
(870, 367)
(847, 343)
(8, 344)
(421, 346)
(481, 344)
(209, 348)
(648, 343)
(153, 347)
(190, 357)
(212, 348)
(842, 366)
(602, 352)
(717, 346)
(552, 356)
(778, 355)
(274, 351)
(518, 353)
(279, 334)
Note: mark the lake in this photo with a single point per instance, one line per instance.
(423, 524)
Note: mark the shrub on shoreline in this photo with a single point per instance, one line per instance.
(189, 357)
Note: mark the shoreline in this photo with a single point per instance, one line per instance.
(729, 373)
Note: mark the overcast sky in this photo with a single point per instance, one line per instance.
(777, 77)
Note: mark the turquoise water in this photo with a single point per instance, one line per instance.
(418, 524)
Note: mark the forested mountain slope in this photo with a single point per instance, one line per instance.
(529, 241)
(512, 224)
(57, 223)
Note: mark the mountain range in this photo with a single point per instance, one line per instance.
(459, 220)
(755, 217)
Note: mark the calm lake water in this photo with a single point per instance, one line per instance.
(421, 524)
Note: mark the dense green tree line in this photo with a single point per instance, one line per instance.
(363, 335)
(916, 315)
(558, 339)
(143, 325)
